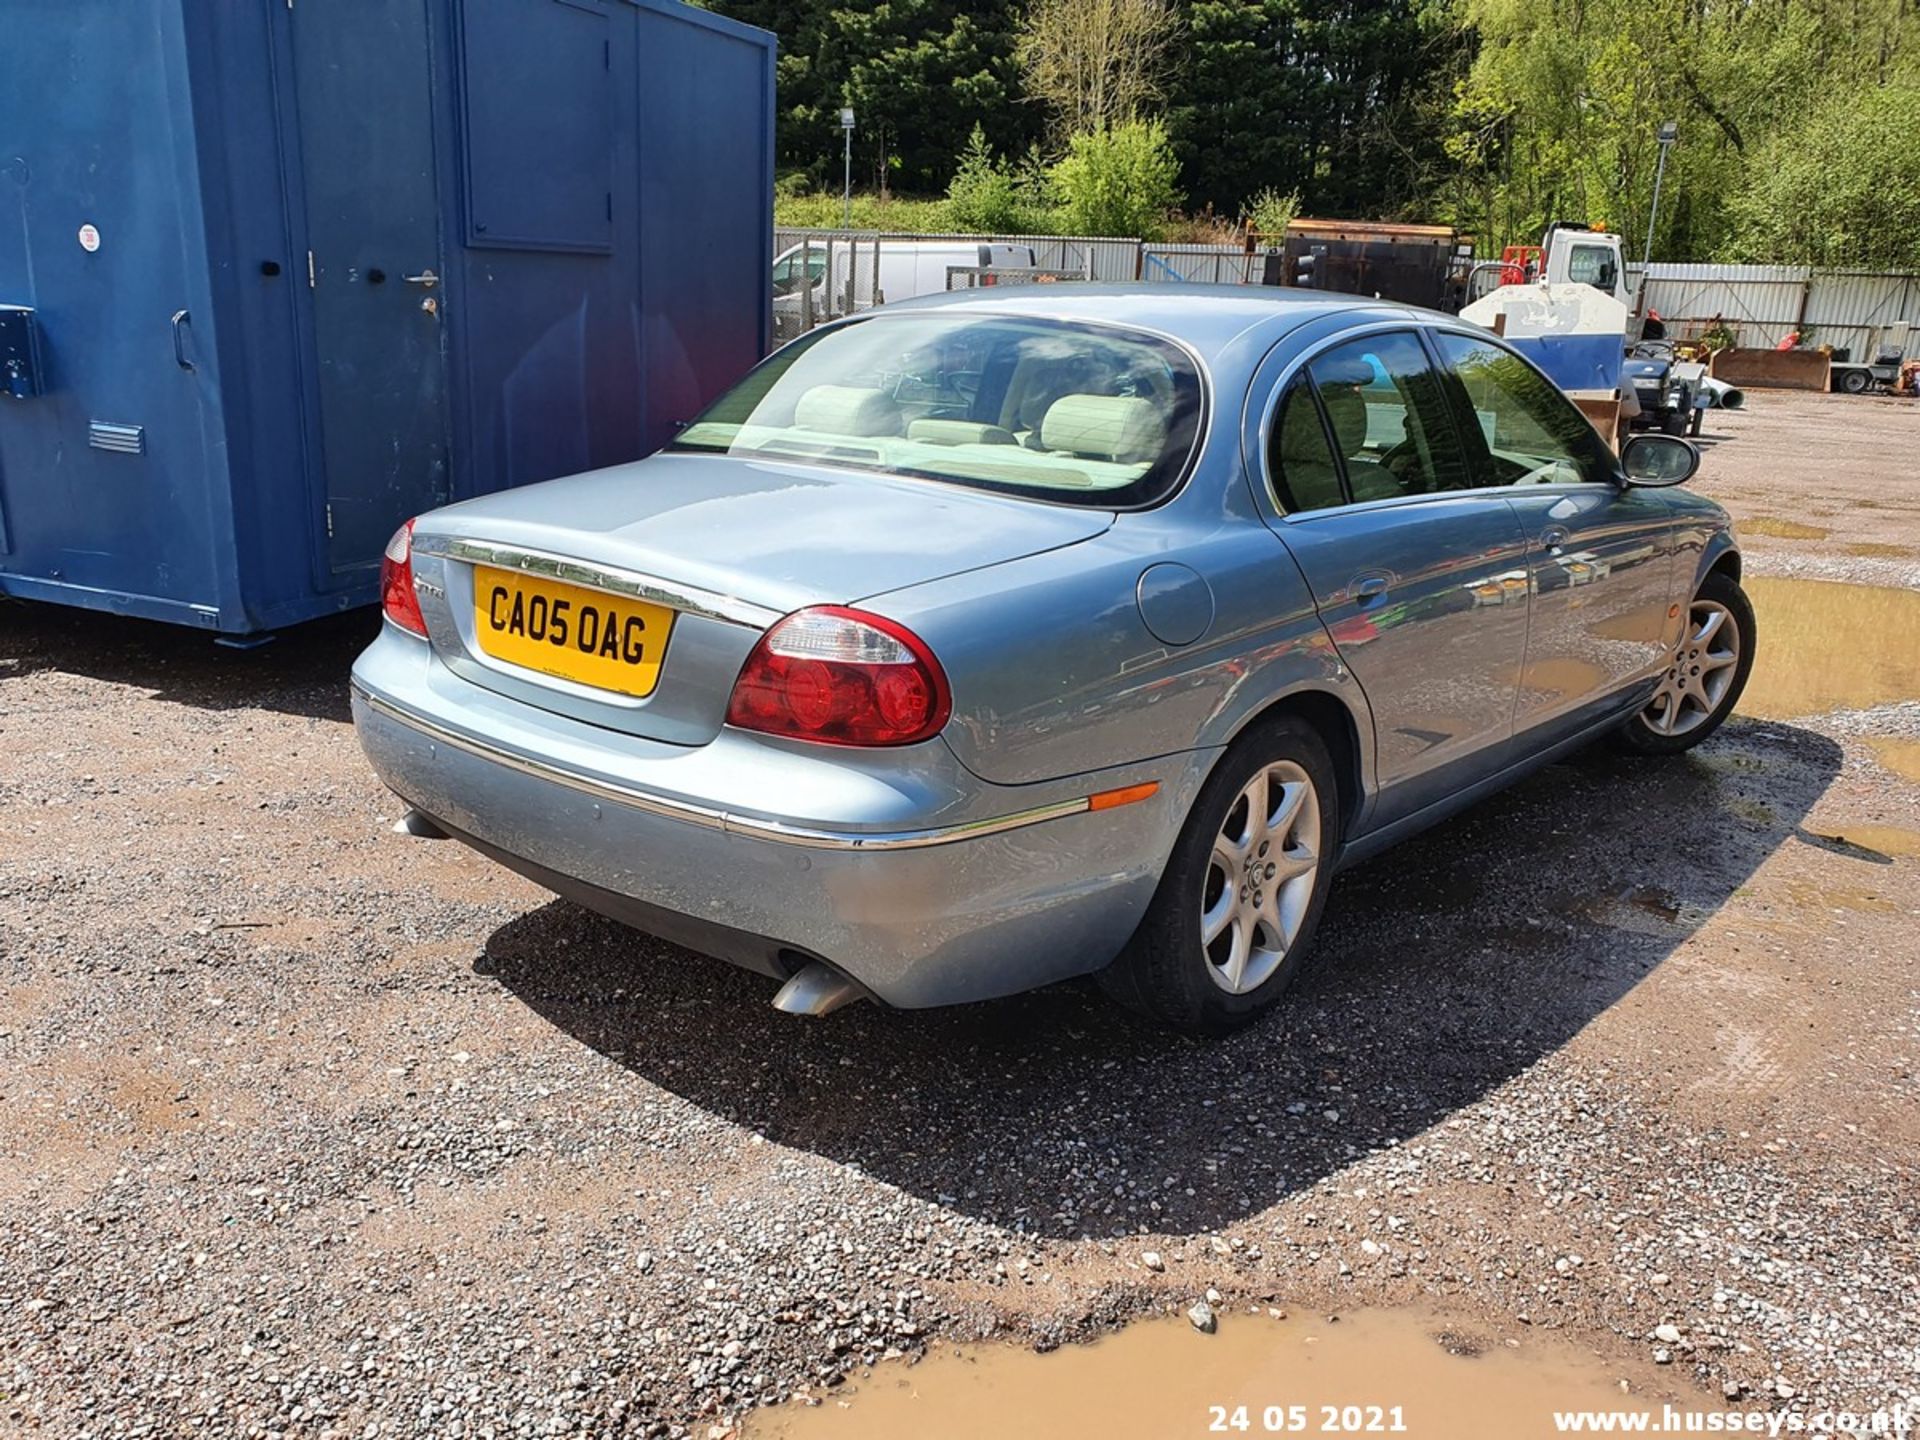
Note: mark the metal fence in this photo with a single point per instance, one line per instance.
(820, 275)
(848, 275)
(1201, 264)
(1855, 311)
(1860, 312)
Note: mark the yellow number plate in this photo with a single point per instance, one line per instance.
(608, 641)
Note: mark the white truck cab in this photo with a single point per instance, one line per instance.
(1577, 256)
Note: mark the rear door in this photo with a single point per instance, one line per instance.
(363, 106)
(1599, 553)
(1421, 582)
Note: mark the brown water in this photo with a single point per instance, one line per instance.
(1882, 840)
(1386, 1373)
(1902, 757)
(1781, 529)
(1827, 646)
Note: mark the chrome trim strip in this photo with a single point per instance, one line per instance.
(612, 579)
(721, 820)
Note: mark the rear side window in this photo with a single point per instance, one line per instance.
(1305, 471)
(1389, 420)
(1531, 434)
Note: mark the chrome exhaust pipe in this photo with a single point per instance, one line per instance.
(1723, 395)
(817, 990)
(419, 826)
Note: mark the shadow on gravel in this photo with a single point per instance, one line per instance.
(301, 671)
(1442, 969)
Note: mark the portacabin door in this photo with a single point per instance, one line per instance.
(1599, 553)
(360, 122)
(1421, 581)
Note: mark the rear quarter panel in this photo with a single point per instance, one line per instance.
(1055, 672)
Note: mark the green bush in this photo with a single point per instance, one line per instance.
(1270, 212)
(985, 194)
(1118, 181)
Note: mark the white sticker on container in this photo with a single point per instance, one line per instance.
(89, 238)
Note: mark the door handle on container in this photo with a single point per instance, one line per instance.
(425, 278)
(1369, 587)
(1553, 537)
(181, 319)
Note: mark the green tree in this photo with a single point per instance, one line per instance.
(1123, 180)
(987, 194)
(1094, 63)
(918, 73)
(1557, 119)
(1343, 101)
(1842, 188)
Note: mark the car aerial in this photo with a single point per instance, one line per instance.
(1005, 637)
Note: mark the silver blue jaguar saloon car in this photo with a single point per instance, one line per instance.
(1020, 634)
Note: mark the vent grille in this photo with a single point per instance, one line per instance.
(125, 439)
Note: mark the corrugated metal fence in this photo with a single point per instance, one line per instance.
(1200, 264)
(849, 274)
(1096, 257)
(1858, 311)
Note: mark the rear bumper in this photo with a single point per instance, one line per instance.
(961, 908)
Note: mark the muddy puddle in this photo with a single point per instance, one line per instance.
(1782, 529)
(1902, 757)
(1369, 1373)
(1828, 646)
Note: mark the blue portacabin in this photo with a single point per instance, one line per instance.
(275, 276)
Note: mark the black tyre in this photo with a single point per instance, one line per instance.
(1705, 674)
(1855, 382)
(1674, 422)
(1243, 889)
(1699, 419)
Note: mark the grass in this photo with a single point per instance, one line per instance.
(905, 215)
(895, 214)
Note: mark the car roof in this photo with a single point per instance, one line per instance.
(1204, 316)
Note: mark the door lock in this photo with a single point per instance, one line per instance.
(426, 279)
(430, 305)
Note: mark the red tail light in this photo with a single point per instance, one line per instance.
(841, 677)
(402, 606)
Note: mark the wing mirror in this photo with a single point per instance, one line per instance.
(1659, 460)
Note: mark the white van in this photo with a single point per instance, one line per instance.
(906, 267)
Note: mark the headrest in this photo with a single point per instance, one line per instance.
(1302, 438)
(848, 410)
(1347, 413)
(1107, 427)
(1349, 369)
(959, 432)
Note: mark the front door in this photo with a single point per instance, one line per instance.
(364, 127)
(1422, 587)
(1599, 553)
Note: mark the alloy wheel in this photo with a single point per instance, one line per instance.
(1260, 877)
(1702, 667)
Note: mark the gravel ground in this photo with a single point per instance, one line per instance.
(312, 1130)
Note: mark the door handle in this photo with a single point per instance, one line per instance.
(1553, 537)
(181, 320)
(1369, 587)
(426, 279)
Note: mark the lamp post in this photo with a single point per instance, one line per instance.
(1669, 132)
(846, 167)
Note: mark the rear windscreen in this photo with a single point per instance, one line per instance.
(1075, 414)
